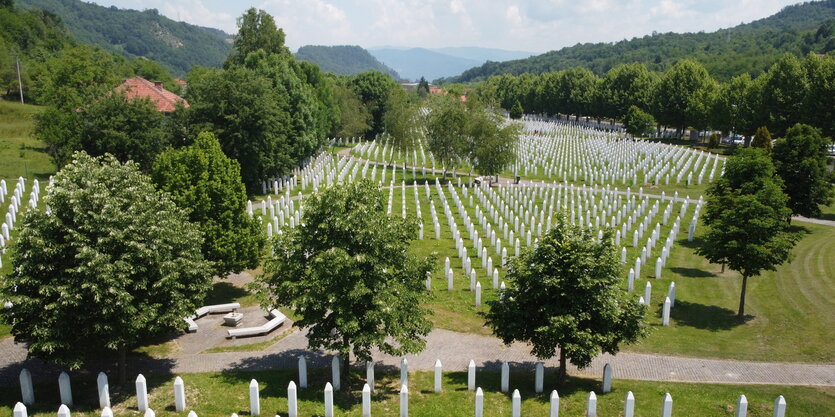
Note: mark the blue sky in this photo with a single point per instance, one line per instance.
(529, 25)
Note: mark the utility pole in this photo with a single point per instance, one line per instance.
(19, 82)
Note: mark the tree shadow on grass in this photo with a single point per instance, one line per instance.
(224, 292)
(693, 272)
(827, 216)
(706, 317)
(83, 382)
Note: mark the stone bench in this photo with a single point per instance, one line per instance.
(216, 308)
(277, 318)
(192, 326)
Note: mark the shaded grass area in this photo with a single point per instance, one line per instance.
(223, 292)
(214, 394)
(828, 212)
(20, 153)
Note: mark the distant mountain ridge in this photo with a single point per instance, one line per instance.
(131, 33)
(751, 47)
(343, 59)
(434, 63)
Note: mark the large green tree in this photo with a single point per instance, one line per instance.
(747, 219)
(566, 293)
(819, 104)
(447, 131)
(800, 159)
(354, 117)
(111, 263)
(494, 142)
(207, 184)
(249, 117)
(402, 119)
(626, 85)
(347, 273)
(373, 88)
(683, 95)
(785, 87)
(129, 129)
(256, 31)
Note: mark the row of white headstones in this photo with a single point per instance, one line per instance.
(16, 203)
(565, 152)
(510, 202)
(143, 404)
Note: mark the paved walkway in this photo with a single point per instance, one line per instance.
(455, 351)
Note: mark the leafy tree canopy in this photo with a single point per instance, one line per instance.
(373, 89)
(800, 160)
(347, 273)
(111, 262)
(566, 293)
(747, 218)
(256, 31)
(638, 122)
(207, 184)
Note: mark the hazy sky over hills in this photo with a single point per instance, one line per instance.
(531, 25)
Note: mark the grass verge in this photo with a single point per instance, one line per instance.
(215, 394)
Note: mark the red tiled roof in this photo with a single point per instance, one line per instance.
(180, 81)
(163, 99)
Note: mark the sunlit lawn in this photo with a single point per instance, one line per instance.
(224, 393)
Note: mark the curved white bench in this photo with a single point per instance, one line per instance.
(277, 318)
(192, 326)
(216, 308)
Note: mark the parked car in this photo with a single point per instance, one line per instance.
(734, 140)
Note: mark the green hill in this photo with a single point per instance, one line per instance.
(176, 45)
(343, 59)
(753, 47)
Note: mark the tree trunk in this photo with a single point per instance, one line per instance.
(723, 267)
(346, 363)
(741, 313)
(562, 372)
(123, 373)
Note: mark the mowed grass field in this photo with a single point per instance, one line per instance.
(218, 394)
(790, 311)
(20, 153)
(20, 156)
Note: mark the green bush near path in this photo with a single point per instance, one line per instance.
(224, 393)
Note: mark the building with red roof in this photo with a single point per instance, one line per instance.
(138, 87)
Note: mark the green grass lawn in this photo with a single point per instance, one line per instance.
(790, 310)
(218, 394)
(20, 153)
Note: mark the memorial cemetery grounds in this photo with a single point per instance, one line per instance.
(789, 310)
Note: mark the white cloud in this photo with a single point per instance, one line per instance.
(534, 25)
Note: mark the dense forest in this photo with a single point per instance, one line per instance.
(343, 59)
(176, 45)
(748, 48)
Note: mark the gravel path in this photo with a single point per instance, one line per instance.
(455, 351)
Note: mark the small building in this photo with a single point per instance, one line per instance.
(164, 100)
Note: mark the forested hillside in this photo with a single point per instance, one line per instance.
(176, 45)
(343, 59)
(751, 48)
